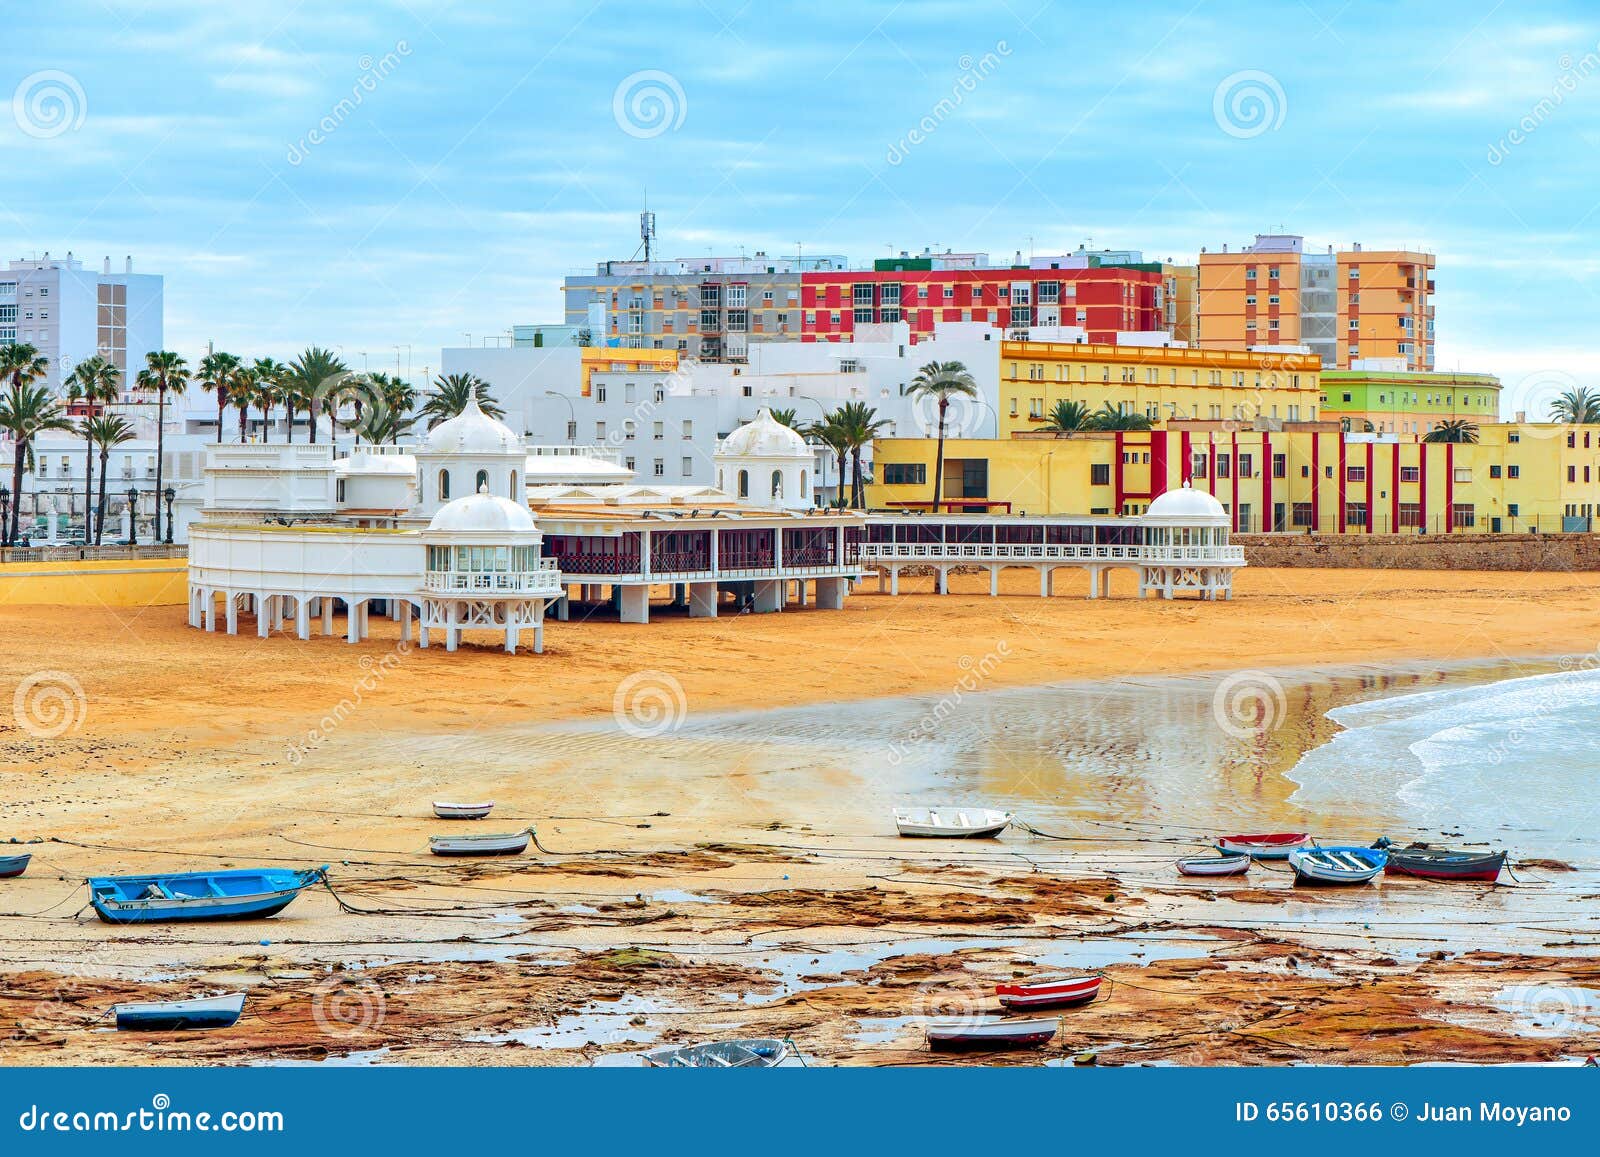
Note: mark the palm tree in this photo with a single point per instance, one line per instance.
(449, 397)
(270, 383)
(1069, 416)
(95, 381)
(1453, 430)
(942, 381)
(834, 436)
(313, 376)
(861, 424)
(1108, 417)
(1576, 407)
(217, 371)
(787, 418)
(164, 370)
(392, 399)
(105, 432)
(21, 365)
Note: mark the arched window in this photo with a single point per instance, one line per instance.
(777, 484)
(722, 481)
(804, 493)
(744, 484)
(481, 483)
(339, 497)
(514, 496)
(444, 486)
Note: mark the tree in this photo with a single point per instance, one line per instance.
(94, 381)
(834, 436)
(270, 384)
(942, 381)
(1069, 416)
(787, 418)
(105, 432)
(217, 373)
(24, 406)
(860, 424)
(388, 417)
(1108, 417)
(164, 371)
(1457, 430)
(315, 376)
(449, 397)
(1576, 407)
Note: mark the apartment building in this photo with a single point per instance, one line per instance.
(69, 313)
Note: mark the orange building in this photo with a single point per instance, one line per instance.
(1346, 306)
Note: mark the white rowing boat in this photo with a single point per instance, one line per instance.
(951, 822)
(722, 1054)
(1347, 865)
(462, 811)
(506, 844)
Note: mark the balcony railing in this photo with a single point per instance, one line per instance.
(545, 580)
(1048, 552)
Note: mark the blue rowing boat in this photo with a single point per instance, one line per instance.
(245, 894)
(176, 1015)
(13, 866)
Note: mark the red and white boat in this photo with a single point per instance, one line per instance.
(1264, 845)
(954, 1035)
(1050, 992)
(1225, 865)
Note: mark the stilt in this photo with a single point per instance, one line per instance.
(894, 580)
(538, 635)
(1045, 575)
(635, 603)
(511, 639)
(231, 611)
(830, 594)
(769, 596)
(994, 581)
(352, 622)
(703, 600)
(211, 611)
(302, 618)
(327, 616)
(563, 608)
(405, 621)
(263, 615)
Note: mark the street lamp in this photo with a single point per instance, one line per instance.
(5, 515)
(572, 416)
(169, 494)
(133, 516)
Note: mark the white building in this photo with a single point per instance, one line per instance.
(69, 313)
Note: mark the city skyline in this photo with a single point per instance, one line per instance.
(389, 183)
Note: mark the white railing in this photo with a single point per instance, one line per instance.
(1052, 552)
(545, 580)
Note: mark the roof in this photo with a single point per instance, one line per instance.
(1186, 505)
(483, 513)
(764, 437)
(471, 432)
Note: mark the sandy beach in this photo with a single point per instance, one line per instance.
(692, 884)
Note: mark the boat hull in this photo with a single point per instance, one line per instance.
(11, 866)
(462, 811)
(1483, 869)
(197, 896)
(1227, 865)
(180, 1015)
(256, 907)
(992, 1037)
(1072, 993)
(1266, 846)
(509, 845)
(950, 823)
(1336, 866)
(734, 1054)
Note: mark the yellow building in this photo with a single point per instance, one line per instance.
(1163, 383)
(1346, 306)
(624, 361)
(1306, 476)
(1408, 403)
(1180, 303)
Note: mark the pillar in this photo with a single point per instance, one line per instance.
(1045, 574)
(702, 600)
(800, 592)
(635, 603)
(263, 615)
(538, 628)
(211, 610)
(830, 593)
(1105, 583)
(894, 580)
(363, 617)
(511, 638)
(232, 613)
(941, 581)
(302, 618)
(563, 607)
(994, 581)
(352, 622)
(327, 615)
(769, 596)
(405, 621)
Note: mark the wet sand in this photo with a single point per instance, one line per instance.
(708, 875)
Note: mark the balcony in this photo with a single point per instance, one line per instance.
(545, 580)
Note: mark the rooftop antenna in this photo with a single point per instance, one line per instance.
(647, 231)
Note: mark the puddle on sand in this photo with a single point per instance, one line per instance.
(884, 1030)
(679, 896)
(598, 1024)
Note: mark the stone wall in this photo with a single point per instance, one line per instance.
(1470, 551)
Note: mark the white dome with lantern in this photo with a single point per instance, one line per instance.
(483, 513)
(468, 454)
(765, 463)
(1186, 506)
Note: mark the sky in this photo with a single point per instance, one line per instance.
(390, 178)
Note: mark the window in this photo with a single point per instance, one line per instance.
(1224, 465)
(777, 484)
(1100, 474)
(688, 430)
(1494, 471)
(1197, 468)
(513, 495)
(444, 486)
(905, 474)
(1410, 516)
(660, 468)
(1355, 473)
(600, 431)
(1411, 473)
(1280, 465)
(1355, 514)
(1462, 515)
(688, 467)
(1246, 466)
(1301, 515)
(658, 431)
(481, 482)
(1513, 471)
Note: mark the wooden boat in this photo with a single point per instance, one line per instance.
(506, 844)
(13, 865)
(974, 1035)
(1264, 845)
(1337, 865)
(168, 1015)
(245, 894)
(951, 822)
(462, 811)
(1443, 864)
(1050, 992)
(722, 1054)
(1225, 865)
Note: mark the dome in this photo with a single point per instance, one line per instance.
(1187, 505)
(765, 437)
(472, 432)
(483, 513)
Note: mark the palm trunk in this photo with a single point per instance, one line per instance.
(88, 479)
(16, 493)
(161, 432)
(938, 461)
(311, 409)
(244, 422)
(855, 477)
(100, 514)
(222, 404)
